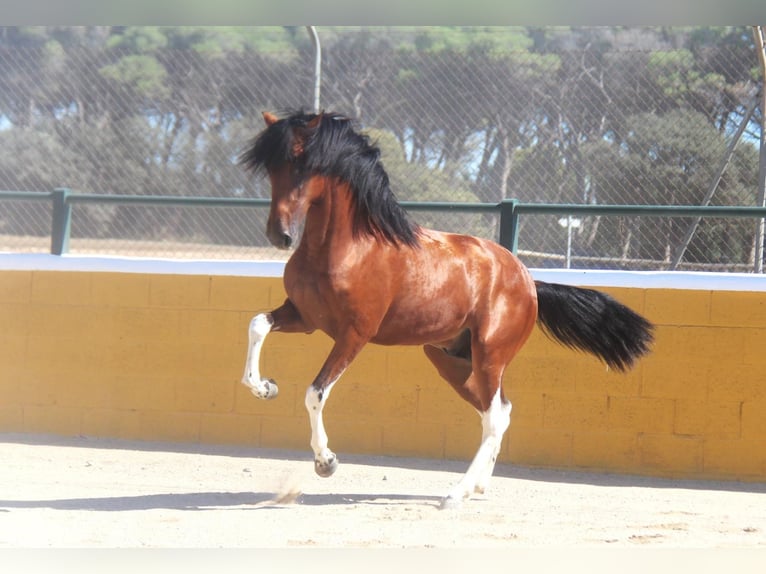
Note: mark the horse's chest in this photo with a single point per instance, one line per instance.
(305, 295)
(314, 298)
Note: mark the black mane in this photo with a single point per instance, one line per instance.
(335, 149)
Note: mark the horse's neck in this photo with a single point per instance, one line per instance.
(329, 222)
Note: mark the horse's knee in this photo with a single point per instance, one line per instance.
(260, 326)
(315, 398)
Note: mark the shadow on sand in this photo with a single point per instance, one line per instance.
(199, 501)
(213, 501)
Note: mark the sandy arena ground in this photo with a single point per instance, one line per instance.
(90, 493)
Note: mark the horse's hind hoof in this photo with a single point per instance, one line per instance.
(327, 468)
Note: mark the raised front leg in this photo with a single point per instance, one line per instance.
(286, 319)
(343, 352)
(260, 326)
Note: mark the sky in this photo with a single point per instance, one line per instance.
(388, 12)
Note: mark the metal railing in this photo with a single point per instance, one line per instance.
(510, 211)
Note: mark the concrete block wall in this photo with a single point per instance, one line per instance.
(159, 356)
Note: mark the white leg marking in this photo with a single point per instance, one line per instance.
(494, 423)
(325, 461)
(260, 326)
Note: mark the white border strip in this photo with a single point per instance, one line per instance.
(585, 278)
(691, 280)
(46, 262)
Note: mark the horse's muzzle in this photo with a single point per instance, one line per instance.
(279, 238)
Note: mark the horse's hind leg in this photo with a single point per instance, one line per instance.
(494, 423)
(493, 407)
(481, 386)
(285, 318)
(453, 369)
(495, 419)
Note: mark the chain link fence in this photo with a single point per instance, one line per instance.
(553, 115)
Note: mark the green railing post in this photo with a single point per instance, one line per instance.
(61, 221)
(509, 224)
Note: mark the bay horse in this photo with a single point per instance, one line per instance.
(364, 272)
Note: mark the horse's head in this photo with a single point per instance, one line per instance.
(291, 190)
(302, 154)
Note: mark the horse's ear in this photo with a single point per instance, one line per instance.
(299, 135)
(314, 122)
(269, 118)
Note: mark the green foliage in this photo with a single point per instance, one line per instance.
(144, 75)
(678, 77)
(676, 154)
(139, 39)
(36, 160)
(493, 41)
(416, 182)
(567, 114)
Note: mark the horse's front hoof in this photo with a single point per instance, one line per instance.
(272, 390)
(326, 468)
(266, 389)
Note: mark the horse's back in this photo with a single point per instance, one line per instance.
(451, 282)
(486, 262)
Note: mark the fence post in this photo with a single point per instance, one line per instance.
(61, 221)
(509, 224)
(317, 66)
(759, 33)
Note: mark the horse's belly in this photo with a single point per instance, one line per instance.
(388, 337)
(421, 325)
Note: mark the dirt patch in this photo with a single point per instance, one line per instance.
(101, 493)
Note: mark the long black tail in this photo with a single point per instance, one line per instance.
(593, 322)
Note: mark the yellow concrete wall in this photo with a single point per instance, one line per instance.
(159, 357)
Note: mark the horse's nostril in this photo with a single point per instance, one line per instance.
(287, 240)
